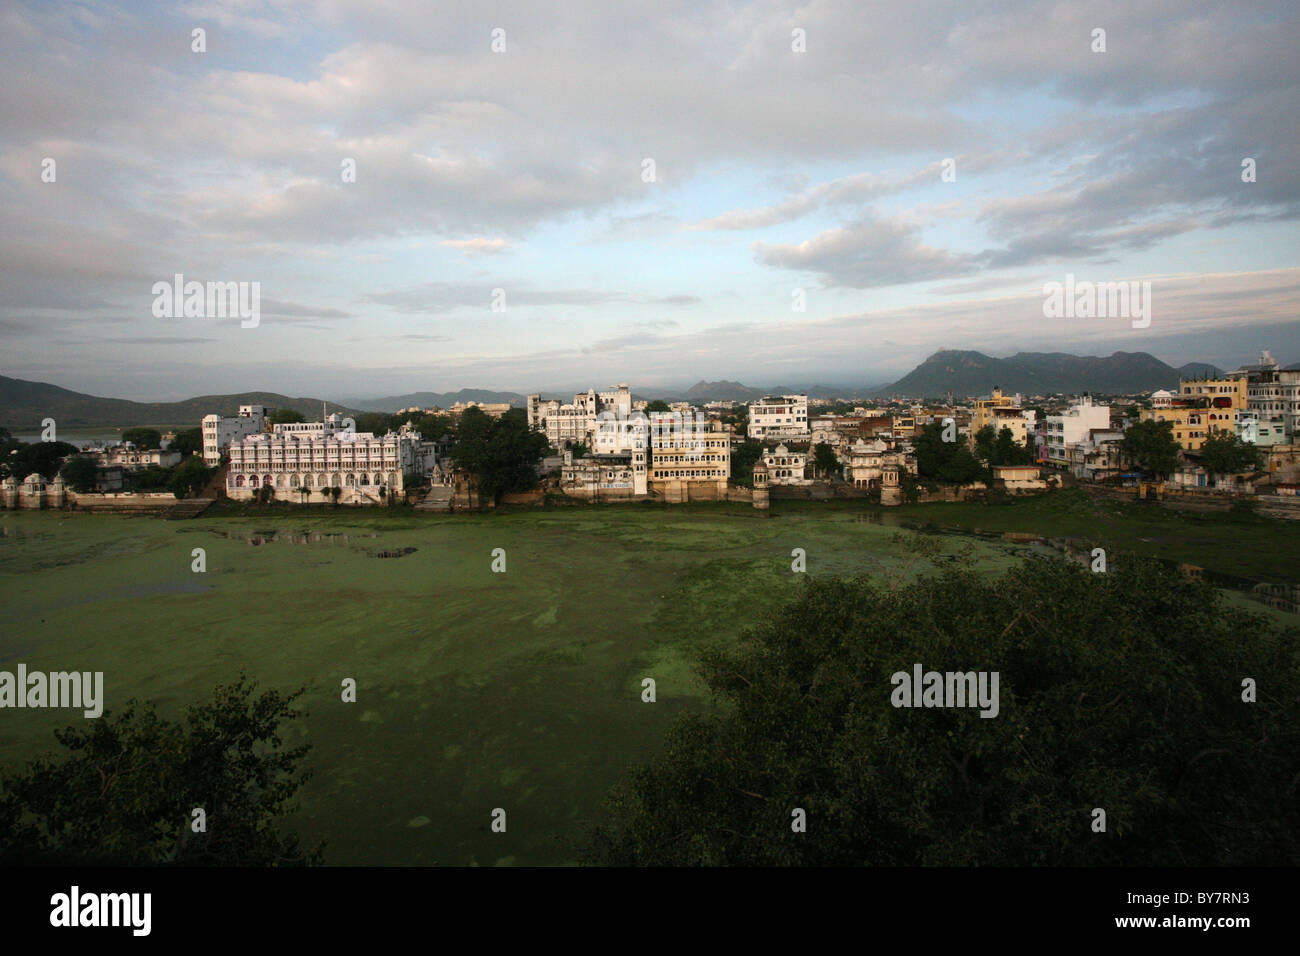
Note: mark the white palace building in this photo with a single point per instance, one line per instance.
(318, 456)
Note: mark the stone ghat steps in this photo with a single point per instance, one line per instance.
(438, 499)
(188, 508)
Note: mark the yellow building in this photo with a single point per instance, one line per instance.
(1204, 407)
(983, 410)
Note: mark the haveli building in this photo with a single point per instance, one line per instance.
(318, 456)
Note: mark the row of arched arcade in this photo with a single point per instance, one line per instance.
(316, 481)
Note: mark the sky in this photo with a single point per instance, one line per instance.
(651, 193)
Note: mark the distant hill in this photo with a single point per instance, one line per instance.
(971, 374)
(24, 404)
(724, 391)
(442, 399)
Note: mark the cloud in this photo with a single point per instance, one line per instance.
(478, 247)
(872, 252)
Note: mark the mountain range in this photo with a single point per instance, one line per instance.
(392, 403)
(971, 374)
(24, 404)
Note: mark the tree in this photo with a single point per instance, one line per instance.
(743, 458)
(265, 495)
(334, 493)
(950, 461)
(376, 422)
(285, 416)
(42, 457)
(81, 474)
(189, 478)
(188, 442)
(1150, 445)
(124, 792)
(1225, 454)
(152, 478)
(143, 437)
(825, 460)
(1008, 451)
(304, 491)
(1121, 691)
(658, 405)
(985, 443)
(501, 452)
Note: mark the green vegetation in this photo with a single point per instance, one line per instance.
(286, 416)
(1118, 691)
(825, 460)
(743, 457)
(123, 792)
(144, 438)
(188, 442)
(1151, 446)
(80, 474)
(42, 457)
(500, 452)
(478, 690)
(1001, 448)
(658, 405)
(950, 461)
(189, 478)
(1226, 454)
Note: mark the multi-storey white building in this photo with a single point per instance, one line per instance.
(781, 416)
(1061, 432)
(219, 432)
(576, 422)
(318, 456)
(1273, 394)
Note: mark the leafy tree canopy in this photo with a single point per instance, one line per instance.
(1120, 690)
(1151, 446)
(122, 792)
(43, 457)
(501, 452)
(950, 461)
(188, 442)
(1225, 454)
(285, 416)
(189, 478)
(80, 474)
(143, 437)
(824, 458)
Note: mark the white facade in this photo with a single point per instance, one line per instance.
(1273, 394)
(785, 467)
(322, 455)
(605, 476)
(219, 432)
(576, 422)
(781, 416)
(1062, 432)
